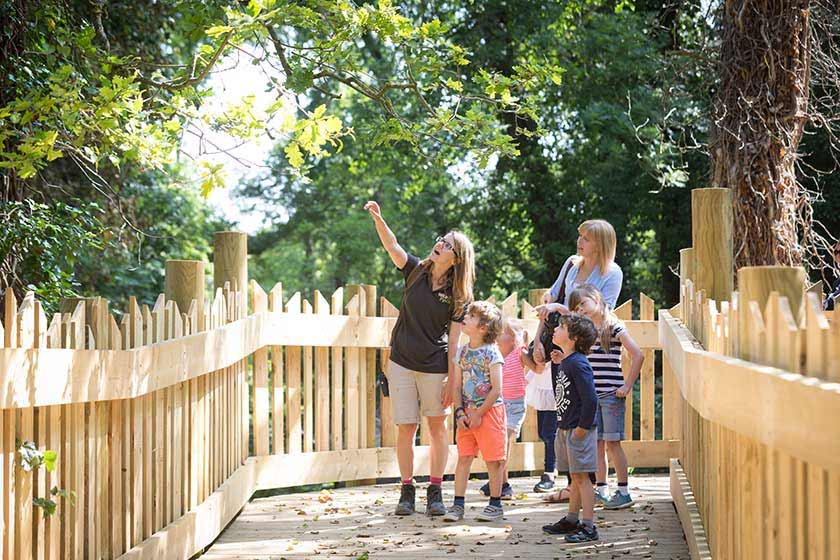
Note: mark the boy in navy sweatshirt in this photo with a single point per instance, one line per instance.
(577, 438)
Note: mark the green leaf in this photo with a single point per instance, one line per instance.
(254, 8)
(217, 30)
(455, 85)
(48, 506)
(50, 458)
(294, 155)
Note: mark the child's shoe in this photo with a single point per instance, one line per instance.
(583, 534)
(619, 501)
(600, 500)
(545, 484)
(491, 513)
(507, 491)
(454, 513)
(562, 527)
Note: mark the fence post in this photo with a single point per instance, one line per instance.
(184, 282)
(711, 235)
(755, 283)
(230, 264)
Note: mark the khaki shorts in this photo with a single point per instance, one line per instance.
(414, 393)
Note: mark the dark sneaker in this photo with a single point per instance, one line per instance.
(582, 535)
(434, 501)
(545, 484)
(619, 501)
(406, 503)
(507, 491)
(491, 513)
(562, 527)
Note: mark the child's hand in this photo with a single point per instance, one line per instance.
(474, 419)
(463, 422)
(579, 433)
(373, 209)
(539, 352)
(556, 356)
(622, 391)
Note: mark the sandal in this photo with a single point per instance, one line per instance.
(559, 497)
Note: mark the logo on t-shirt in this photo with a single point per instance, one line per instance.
(561, 392)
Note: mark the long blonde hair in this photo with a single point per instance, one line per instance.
(588, 291)
(461, 275)
(604, 236)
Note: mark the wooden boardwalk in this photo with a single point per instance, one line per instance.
(358, 523)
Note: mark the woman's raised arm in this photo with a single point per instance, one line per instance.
(386, 236)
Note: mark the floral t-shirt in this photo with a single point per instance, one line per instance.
(475, 373)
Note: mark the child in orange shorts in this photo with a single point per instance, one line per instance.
(480, 410)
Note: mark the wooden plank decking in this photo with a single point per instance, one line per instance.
(349, 522)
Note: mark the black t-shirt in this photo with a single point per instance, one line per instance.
(419, 341)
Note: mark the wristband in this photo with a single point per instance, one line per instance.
(459, 409)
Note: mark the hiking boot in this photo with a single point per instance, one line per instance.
(485, 489)
(619, 501)
(545, 484)
(582, 535)
(491, 513)
(434, 501)
(406, 503)
(454, 513)
(562, 527)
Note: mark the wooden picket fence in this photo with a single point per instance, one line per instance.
(758, 370)
(166, 421)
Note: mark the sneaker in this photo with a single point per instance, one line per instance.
(562, 527)
(406, 503)
(454, 513)
(491, 513)
(582, 535)
(600, 499)
(545, 484)
(507, 491)
(619, 501)
(434, 501)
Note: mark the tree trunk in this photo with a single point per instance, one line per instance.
(758, 119)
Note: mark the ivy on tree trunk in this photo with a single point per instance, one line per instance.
(759, 116)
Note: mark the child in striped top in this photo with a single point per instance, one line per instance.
(611, 387)
(510, 342)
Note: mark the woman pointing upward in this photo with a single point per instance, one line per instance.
(437, 291)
